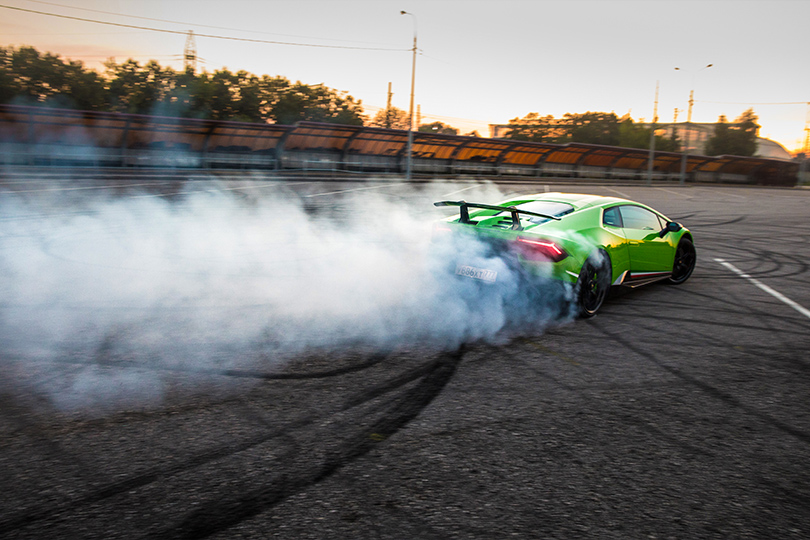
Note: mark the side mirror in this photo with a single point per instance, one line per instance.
(671, 226)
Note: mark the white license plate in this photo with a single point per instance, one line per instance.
(476, 273)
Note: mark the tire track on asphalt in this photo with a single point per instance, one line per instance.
(434, 373)
(595, 404)
(713, 391)
(229, 509)
(11, 523)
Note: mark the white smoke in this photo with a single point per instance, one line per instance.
(106, 290)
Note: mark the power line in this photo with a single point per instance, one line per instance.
(185, 24)
(213, 36)
(749, 103)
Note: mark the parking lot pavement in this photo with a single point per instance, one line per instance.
(677, 412)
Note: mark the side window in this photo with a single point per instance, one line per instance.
(635, 217)
(612, 217)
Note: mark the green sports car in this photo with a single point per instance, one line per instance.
(588, 242)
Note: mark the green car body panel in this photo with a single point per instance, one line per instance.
(640, 242)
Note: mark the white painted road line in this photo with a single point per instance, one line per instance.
(776, 294)
(460, 190)
(355, 189)
(618, 193)
(219, 190)
(674, 193)
(80, 188)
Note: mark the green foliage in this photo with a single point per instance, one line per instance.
(632, 135)
(317, 104)
(438, 127)
(593, 128)
(135, 89)
(536, 128)
(738, 139)
(589, 128)
(28, 77)
(391, 118)
(668, 144)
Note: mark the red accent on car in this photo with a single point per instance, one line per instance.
(538, 249)
(442, 231)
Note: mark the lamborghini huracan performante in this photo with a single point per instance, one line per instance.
(588, 243)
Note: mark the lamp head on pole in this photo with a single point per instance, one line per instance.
(704, 67)
(414, 20)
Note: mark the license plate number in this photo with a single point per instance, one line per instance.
(477, 273)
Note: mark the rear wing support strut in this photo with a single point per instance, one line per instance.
(464, 212)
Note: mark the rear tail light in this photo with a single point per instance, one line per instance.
(538, 249)
(441, 230)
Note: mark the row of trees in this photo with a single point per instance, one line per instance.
(590, 127)
(394, 118)
(737, 139)
(29, 77)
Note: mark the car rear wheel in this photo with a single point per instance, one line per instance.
(685, 259)
(593, 284)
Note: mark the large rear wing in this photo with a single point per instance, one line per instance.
(464, 207)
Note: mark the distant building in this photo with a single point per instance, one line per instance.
(771, 149)
(699, 134)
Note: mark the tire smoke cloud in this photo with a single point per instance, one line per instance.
(99, 291)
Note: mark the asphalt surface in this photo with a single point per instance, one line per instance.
(677, 412)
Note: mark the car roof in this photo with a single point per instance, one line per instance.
(577, 200)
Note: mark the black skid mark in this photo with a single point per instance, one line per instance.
(713, 391)
(103, 359)
(158, 473)
(231, 509)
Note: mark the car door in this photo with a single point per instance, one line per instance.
(649, 252)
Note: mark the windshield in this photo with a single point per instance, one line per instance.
(550, 208)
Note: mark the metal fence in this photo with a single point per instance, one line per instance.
(58, 137)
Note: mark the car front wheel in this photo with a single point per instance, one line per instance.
(685, 259)
(593, 284)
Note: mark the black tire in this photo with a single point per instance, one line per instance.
(685, 260)
(593, 284)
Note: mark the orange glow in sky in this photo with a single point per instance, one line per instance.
(480, 62)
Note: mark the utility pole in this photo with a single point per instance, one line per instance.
(689, 121)
(190, 52)
(686, 138)
(651, 159)
(410, 113)
(388, 108)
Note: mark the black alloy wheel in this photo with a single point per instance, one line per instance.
(685, 259)
(593, 284)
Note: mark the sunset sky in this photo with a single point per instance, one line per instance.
(480, 61)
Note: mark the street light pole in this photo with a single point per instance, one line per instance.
(651, 159)
(688, 122)
(409, 158)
